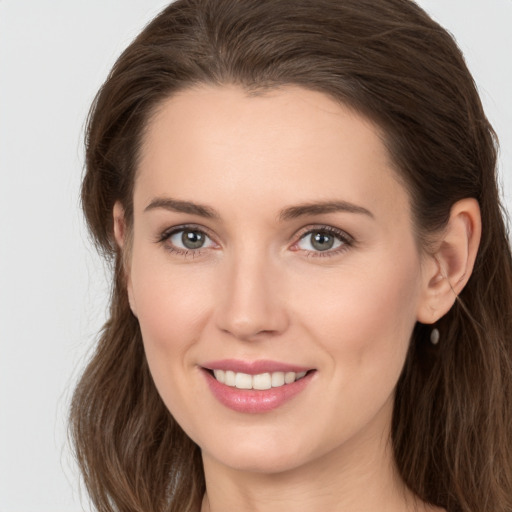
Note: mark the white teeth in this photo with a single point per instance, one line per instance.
(243, 381)
(277, 379)
(220, 375)
(260, 381)
(289, 377)
(230, 378)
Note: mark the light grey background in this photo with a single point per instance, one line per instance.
(53, 291)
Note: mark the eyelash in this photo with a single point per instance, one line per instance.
(346, 240)
(166, 236)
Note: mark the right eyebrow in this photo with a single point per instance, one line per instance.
(174, 205)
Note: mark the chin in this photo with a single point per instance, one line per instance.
(258, 461)
(267, 453)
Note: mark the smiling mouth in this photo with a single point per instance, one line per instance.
(261, 381)
(256, 386)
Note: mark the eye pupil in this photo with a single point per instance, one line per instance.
(192, 239)
(322, 241)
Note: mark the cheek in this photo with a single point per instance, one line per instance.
(171, 304)
(171, 309)
(363, 321)
(364, 316)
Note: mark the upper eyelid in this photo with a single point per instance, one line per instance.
(296, 237)
(166, 233)
(324, 227)
(164, 239)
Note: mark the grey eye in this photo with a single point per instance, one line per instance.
(319, 241)
(322, 241)
(190, 239)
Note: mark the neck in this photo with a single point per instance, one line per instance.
(360, 476)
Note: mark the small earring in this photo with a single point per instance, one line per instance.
(434, 336)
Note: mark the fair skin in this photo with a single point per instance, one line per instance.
(229, 261)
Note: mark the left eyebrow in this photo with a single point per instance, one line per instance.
(301, 210)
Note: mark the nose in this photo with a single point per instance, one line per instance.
(251, 302)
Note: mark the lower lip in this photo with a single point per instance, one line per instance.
(252, 400)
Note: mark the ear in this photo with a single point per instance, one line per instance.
(119, 225)
(120, 235)
(449, 267)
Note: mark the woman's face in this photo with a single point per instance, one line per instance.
(271, 237)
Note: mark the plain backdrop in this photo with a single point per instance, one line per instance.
(53, 288)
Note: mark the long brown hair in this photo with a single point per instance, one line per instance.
(387, 59)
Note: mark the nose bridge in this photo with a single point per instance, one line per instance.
(250, 303)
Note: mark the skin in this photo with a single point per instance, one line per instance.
(258, 289)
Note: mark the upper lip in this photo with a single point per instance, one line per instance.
(254, 367)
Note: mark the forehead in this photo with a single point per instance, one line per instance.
(287, 145)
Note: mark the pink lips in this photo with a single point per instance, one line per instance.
(254, 401)
(253, 367)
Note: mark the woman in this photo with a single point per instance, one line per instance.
(312, 295)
